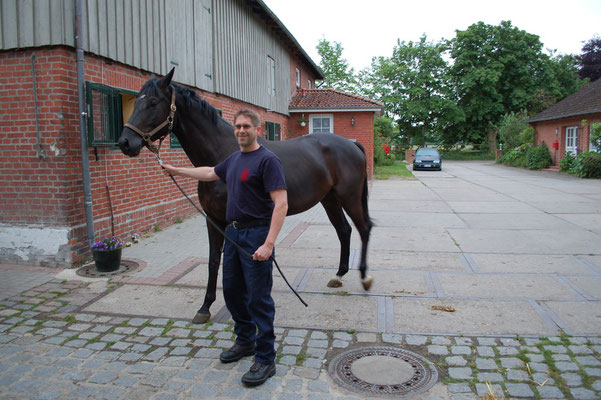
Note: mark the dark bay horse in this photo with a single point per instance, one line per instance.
(319, 168)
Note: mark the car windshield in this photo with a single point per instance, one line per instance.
(427, 152)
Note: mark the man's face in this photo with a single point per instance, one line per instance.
(245, 131)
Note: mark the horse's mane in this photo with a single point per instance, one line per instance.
(191, 98)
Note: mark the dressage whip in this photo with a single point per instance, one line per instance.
(272, 258)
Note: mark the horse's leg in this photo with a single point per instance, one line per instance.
(356, 208)
(343, 230)
(215, 247)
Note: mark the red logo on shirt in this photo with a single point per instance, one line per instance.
(244, 176)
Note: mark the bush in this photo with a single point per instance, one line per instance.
(578, 168)
(514, 158)
(538, 157)
(566, 163)
(379, 155)
(527, 135)
(511, 127)
(591, 166)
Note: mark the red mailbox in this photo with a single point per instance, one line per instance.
(556, 145)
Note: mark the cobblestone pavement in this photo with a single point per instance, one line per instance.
(538, 272)
(49, 350)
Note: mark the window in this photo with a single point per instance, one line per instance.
(271, 85)
(298, 78)
(309, 84)
(572, 139)
(108, 109)
(175, 144)
(321, 124)
(272, 131)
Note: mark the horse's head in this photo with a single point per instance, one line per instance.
(152, 116)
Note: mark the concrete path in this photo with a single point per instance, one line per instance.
(492, 273)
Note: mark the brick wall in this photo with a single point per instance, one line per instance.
(49, 192)
(545, 131)
(362, 131)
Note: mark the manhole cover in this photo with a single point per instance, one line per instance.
(90, 271)
(380, 370)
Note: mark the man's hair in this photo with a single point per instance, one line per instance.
(254, 117)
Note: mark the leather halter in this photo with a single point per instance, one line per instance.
(147, 137)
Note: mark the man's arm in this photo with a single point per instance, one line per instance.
(205, 174)
(280, 208)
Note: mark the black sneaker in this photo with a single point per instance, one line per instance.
(236, 352)
(258, 374)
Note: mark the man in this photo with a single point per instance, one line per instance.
(257, 204)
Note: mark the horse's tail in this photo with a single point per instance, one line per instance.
(364, 194)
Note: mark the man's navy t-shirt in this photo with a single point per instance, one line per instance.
(250, 177)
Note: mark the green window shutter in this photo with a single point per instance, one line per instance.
(105, 113)
(272, 131)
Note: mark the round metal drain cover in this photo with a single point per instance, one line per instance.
(90, 271)
(384, 371)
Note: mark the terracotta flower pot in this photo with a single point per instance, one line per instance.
(107, 260)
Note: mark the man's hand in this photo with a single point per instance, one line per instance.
(263, 253)
(168, 169)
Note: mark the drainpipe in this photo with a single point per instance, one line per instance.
(85, 162)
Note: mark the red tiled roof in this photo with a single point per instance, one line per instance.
(585, 101)
(330, 98)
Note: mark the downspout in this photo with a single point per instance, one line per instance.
(85, 162)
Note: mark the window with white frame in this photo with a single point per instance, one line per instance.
(298, 78)
(310, 84)
(271, 85)
(321, 123)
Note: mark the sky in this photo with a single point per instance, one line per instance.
(366, 29)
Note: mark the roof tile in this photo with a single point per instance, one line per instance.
(330, 98)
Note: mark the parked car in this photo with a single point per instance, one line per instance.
(427, 158)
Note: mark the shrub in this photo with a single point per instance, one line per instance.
(578, 168)
(591, 166)
(595, 129)
(379, 155)
(511, 127)
(566, 163)
(527, 135)
(514, 158)
(538, 157)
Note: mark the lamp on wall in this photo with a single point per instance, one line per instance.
(352, 121)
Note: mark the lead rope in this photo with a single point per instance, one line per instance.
(272, 258)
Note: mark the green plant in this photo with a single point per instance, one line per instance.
(567, 162)
(538, 157)
(179, 220)
(577, 167)
(157, 228)
(527, 135)
(591, 166)
(108, 243)
(515, 158)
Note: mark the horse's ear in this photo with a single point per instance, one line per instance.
(167, 79)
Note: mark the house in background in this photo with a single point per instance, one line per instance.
(333, 111)
(234, 53)
(565, 126)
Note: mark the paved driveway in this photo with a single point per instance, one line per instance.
(511, 251)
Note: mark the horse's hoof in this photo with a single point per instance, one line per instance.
(335, 282)
(367, 282)
(201, 318)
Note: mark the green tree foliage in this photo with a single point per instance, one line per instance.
(511, 127)
(538, 157)
(590, 59)
(412, 83)
(385, 128)
(337, 74)
(497, 70)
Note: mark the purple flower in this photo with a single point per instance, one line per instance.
(108, 243)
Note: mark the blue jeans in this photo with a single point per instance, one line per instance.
(247, 291)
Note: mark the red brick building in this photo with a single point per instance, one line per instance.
(42, 201)
(333, 111)
(565, 126)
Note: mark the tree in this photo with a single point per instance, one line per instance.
(497, 70)
(590, 59)
(336, 71)
(413, 86)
